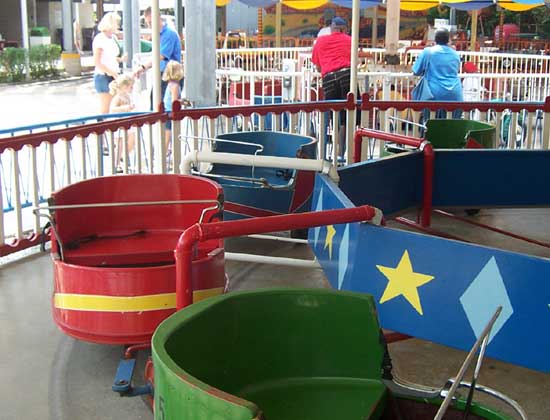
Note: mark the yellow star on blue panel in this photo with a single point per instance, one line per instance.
(328, 240)
(402, 280)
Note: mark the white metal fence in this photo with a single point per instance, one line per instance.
(268, 59)
(240, 87)
(33, 165)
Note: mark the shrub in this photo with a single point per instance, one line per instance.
(52, 57)
(42, 62)
(37, 61)
(13, 62)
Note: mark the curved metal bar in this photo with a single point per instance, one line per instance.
(262, 181)
(207, 209)
(124, 204)
(462, 371)
(36, 212)
(213, 139)
(493, 393)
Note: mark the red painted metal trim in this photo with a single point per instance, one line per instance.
(6, 249)
(427, 229)
(130, 351)
(179, 113)
(53, 136)
(494, 229)
(381, 135)
(393, 337)
(429, 157)
(192, 235)
(370, 105)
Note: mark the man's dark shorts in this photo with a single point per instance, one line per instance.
(336, 84)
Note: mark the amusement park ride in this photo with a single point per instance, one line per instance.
(147, 270)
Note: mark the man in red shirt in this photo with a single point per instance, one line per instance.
(332, 55)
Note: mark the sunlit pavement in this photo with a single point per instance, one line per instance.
(42, 102)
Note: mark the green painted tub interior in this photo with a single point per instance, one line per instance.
(453, 134)
(284, 354)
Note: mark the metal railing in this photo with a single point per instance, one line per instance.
(264, 59)
(241, 87)
(39, 161)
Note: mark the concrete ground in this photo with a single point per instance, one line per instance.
(48, 375)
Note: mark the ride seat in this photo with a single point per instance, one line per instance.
(294, 353)
(459, 134)
(262, 143)
(123, 235)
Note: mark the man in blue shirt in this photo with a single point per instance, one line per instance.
(170, 49)
(440, 65)
(443, 64)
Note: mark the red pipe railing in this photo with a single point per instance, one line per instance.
(369, 105)
(35, 139)
(494, 229)
(53, 136)
(178, 113)
(421, 144)
(202, 232)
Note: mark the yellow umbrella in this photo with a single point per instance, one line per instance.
(428, 4)
(518, 7)
(415, 6)
(304, 4)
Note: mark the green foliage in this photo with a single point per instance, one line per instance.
(269, 30)
(40, 31)
(12, 61)
(541, 19)
(42, 62)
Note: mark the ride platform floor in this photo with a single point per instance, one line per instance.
(46, 375)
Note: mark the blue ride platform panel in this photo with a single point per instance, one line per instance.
(439, 289)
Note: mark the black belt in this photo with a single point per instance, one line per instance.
(335, 72)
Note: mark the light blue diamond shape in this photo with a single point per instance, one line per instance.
(343, 253)
(318, 207)
(483, 296)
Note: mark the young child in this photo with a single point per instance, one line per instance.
(173, 75)
(121, 89)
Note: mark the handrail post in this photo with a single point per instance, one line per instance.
(218, 230)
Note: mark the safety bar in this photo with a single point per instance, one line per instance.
(217, 230)
(260, 161)
(122, 204)
(492, 392)
(37, 211)
(402, 387)
(480, 344)
(421, 144)
(213, 139)
(261, 181)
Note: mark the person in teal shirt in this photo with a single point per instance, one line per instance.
(442, 71)
(444, 65)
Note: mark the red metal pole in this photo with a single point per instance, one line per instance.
(132, 350)
(494, 229)
(429, 157)
(197, 233)
(428, 230)
(381, 135)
